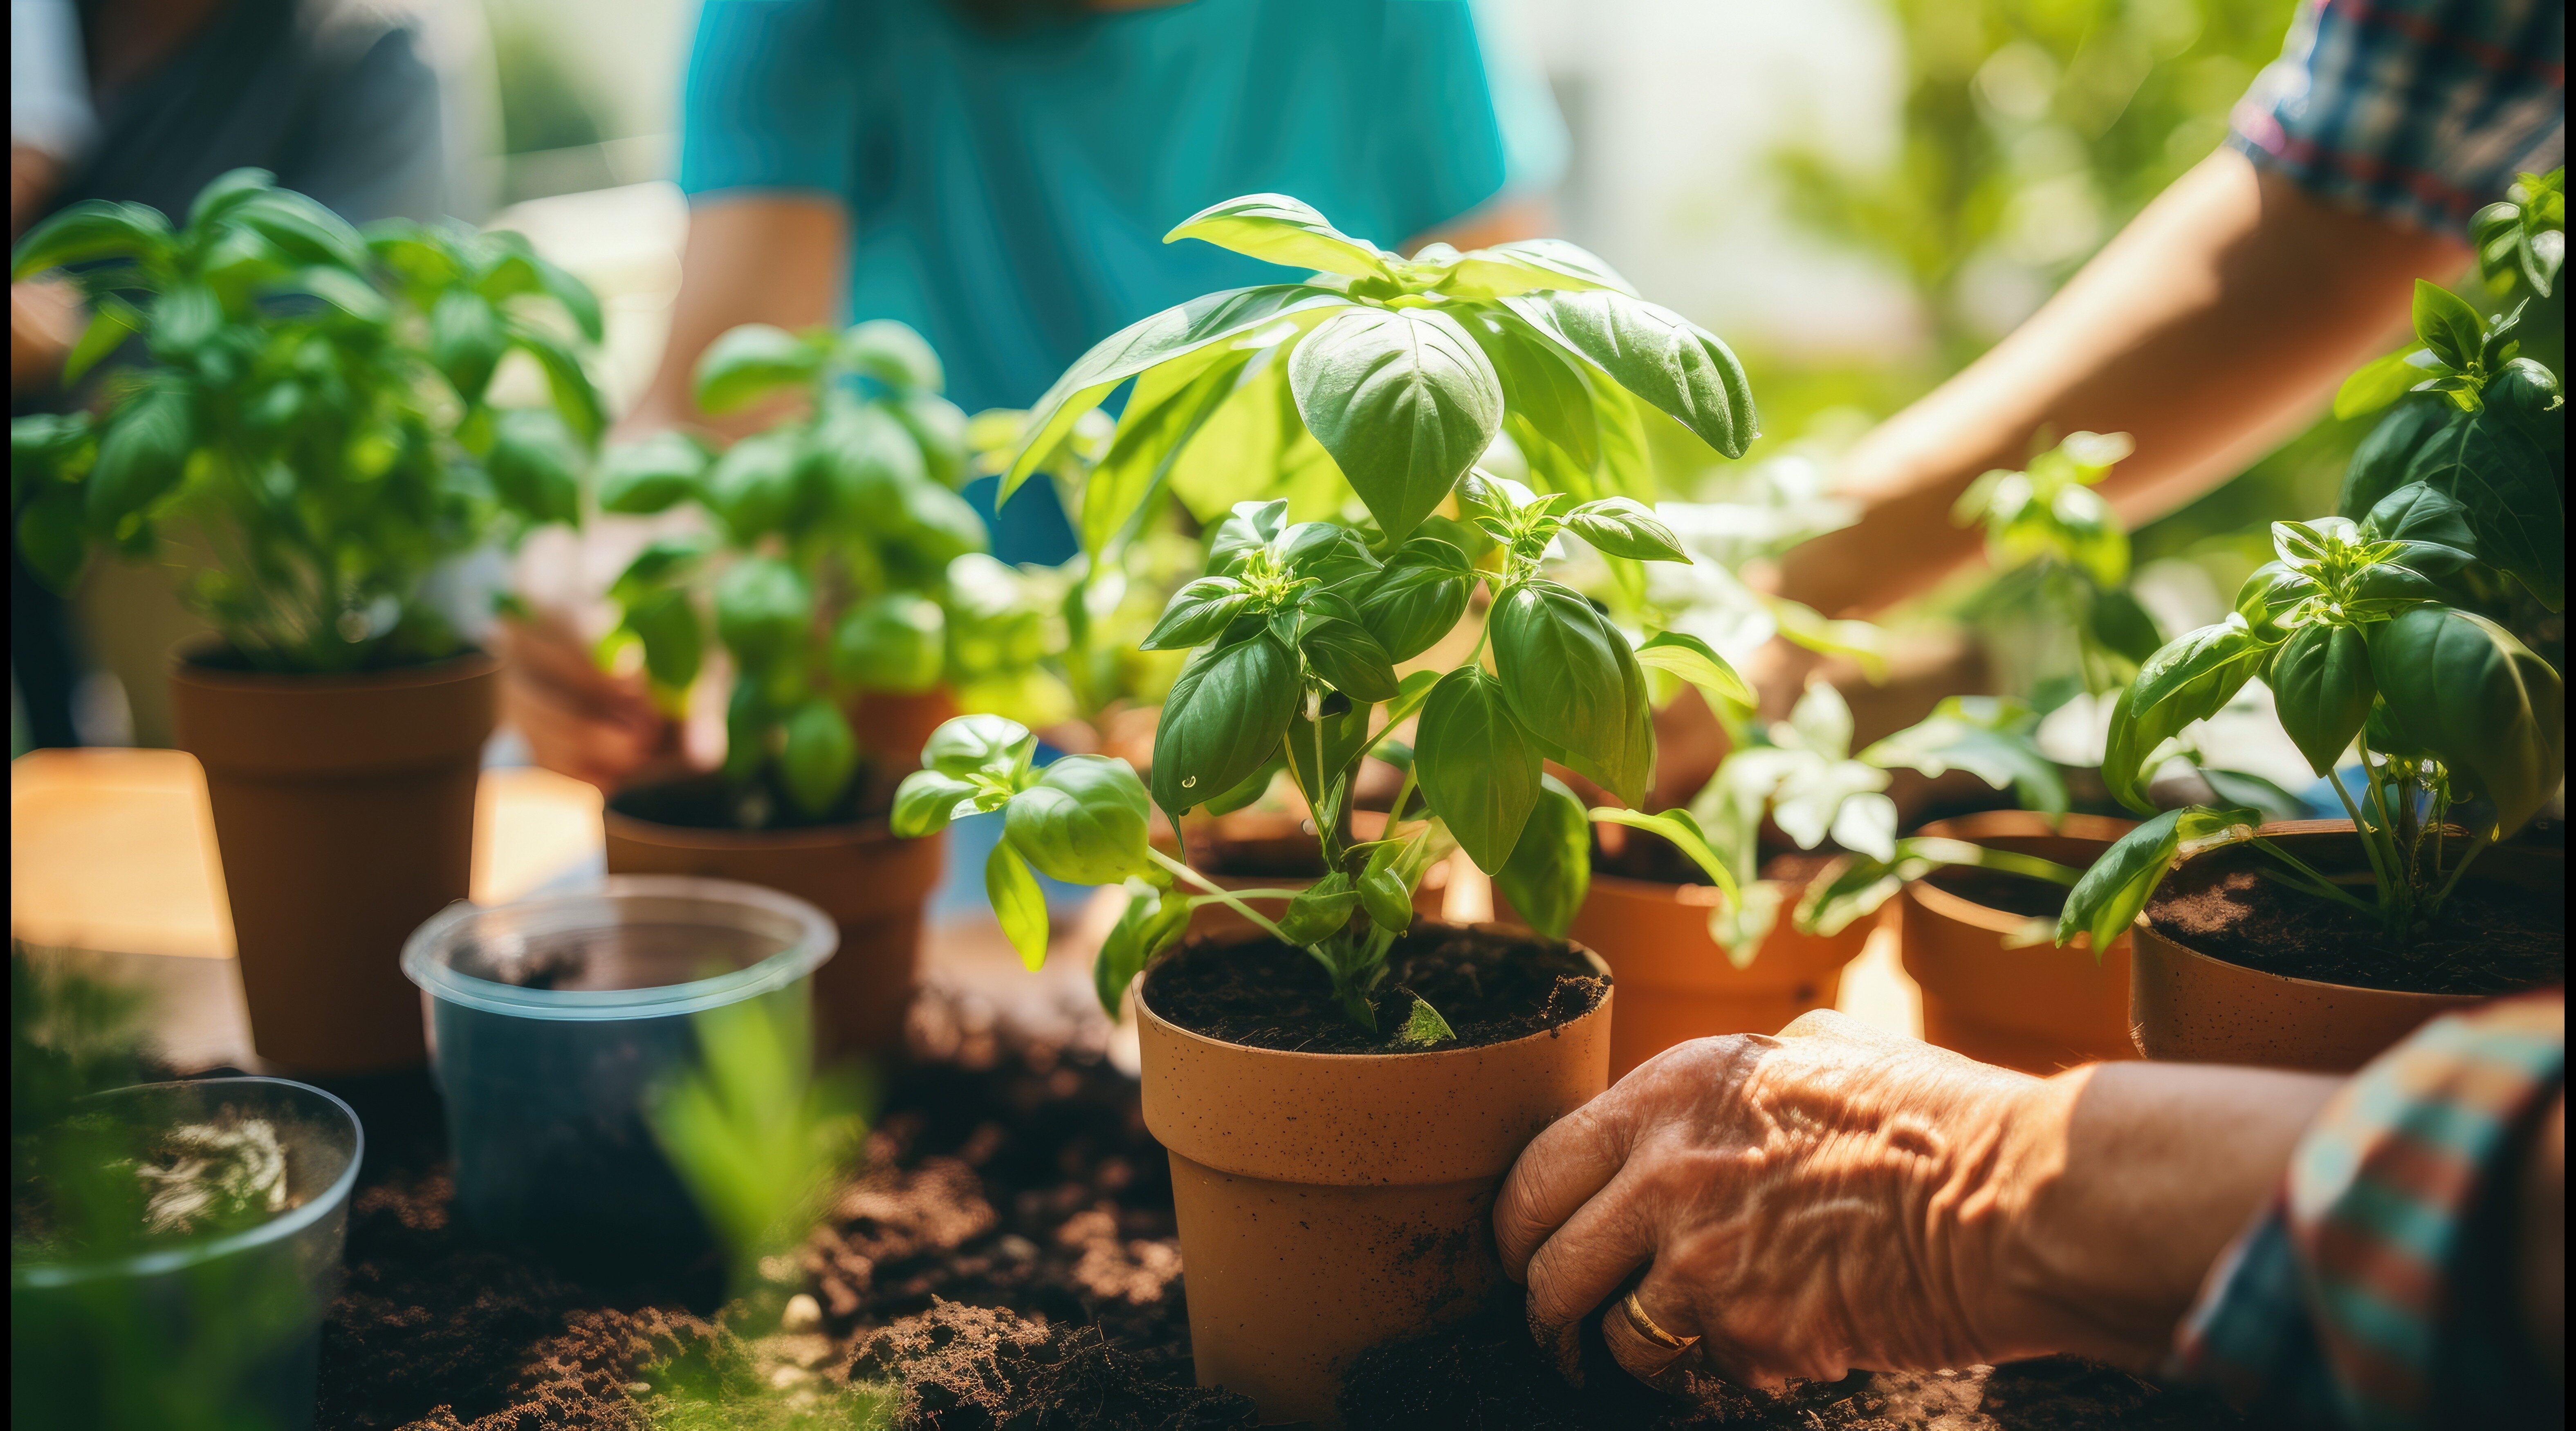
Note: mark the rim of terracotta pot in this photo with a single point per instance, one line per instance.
(153, 1262)
(1990, 824)
(1145, 1010)
(867, 829)
(2267, 830)
(186, 663)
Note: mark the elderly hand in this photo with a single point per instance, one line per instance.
(1839, 1197)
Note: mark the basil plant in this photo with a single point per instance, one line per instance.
(312, 434)
(2063, 563)
(1398, 375)
(827, 564)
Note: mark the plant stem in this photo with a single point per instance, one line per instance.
(2361, 827)
(2316, 883)
(1223, 895)
(2477, 844)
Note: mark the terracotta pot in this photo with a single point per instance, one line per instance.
(1331, 1202)
(344, 814)
(2037, 1008)
(1250, 834)
(1679, 982)
(2189, 1007)
(893, 729)
(871, 884)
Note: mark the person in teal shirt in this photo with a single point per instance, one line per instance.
(999, 174)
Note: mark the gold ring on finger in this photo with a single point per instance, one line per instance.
(1651, 1330)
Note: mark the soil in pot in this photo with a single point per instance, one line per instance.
(2493, 937)
(1647, 915)
(845, 862)
(1988, 991)
(1492, 987)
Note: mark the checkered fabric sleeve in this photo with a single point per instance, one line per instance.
(2416, 110)
(2366, 1294)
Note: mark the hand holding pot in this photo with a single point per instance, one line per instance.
(1836, 1197)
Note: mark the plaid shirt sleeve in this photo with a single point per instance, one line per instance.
(2415, 110)
(2365, 1295)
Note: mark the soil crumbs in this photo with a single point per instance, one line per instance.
(1491, 987)
(2490, 939)
(1008, 1260)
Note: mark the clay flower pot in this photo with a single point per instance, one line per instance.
(1331, 1202)
(869, 883)
(2191, 1007)
(1678, 982)
(344, 814)
(2037, 1008)
(1250, 841)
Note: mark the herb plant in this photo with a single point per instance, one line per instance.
(1400, 374)
(828, 559)
(313, 435)
(2062, 563)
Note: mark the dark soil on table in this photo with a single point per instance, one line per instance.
(1491, 987)
(2012, 894)
(1009, 1259)
(710, 802)
(2491, 938)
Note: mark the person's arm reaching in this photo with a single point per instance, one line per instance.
(752, 257)
(2212, 328)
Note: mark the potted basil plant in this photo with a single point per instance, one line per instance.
(310, 441)
(2437, 728)
(1454, 1045)
(833, 568)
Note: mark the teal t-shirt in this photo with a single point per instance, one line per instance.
(1009, 190)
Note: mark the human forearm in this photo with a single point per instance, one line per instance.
(751, 258)
(2209, 330)
(2119, 1186)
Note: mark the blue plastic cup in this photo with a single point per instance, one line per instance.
(221, 1331)
(556, 1021)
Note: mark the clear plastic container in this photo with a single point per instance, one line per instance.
(553, 1024)
(223, 1331)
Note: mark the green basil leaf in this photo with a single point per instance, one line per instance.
(1527, 266)
(822, 754)
(1388, 901)
(51, 537)
(675, 642)
(1656, 354)
(1224, 719)
(536, 465)
(937, 527)
(2106, 901)
(1167, 409)
(89, 230)
(1084, 821)
(1626, 527)
(2376, 384)
(1683, 832)
(2192, 678)
(1278, 229)
(746, 364)
(654, 475)
(141, 456)
(939, 427)
(893, 354)
(753, 485)
(663, 560)
(112, 321)
(1478, 768)
(576, 399)
(1567, 674)
(1418, 597)
(1197, 614)
(1695, 661)
(1018, 903)
(863, 463)
(1403, 400)
(1423, 1026)
(986, 745)
(2511, 494)
(2447, 325)
(301, 228)
(2420, 513)
(1254, 525)
(1327, 552)
(763, 610)
(1153, 921)
(1144, 344)
(2461, 687)
(466, 341)
(2527, 395)
(2380, 463)
(1339, 648)
(2322, 687)
(749, 722)
(1550, 868)
(927, 800)
(1541, 385)
(895, 642)
(1320, 910)
(2120, 624)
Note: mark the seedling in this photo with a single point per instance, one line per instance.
(2062, 560)
(1401, 374)
(837, 560)
(313, 437)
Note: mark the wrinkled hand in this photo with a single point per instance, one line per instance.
(579, 720)
(1803, 1204)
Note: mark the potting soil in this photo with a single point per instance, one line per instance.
(1007, 1259)
(2490, 938)
(1491, 987)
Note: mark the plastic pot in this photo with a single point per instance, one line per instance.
(872, 885)
(2035, 1007)
(1675, 981)
(222, 1331)
(555, 1021)
(1253, 838)
(1331, 1202)
(2191, 1007)
(344, 813)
